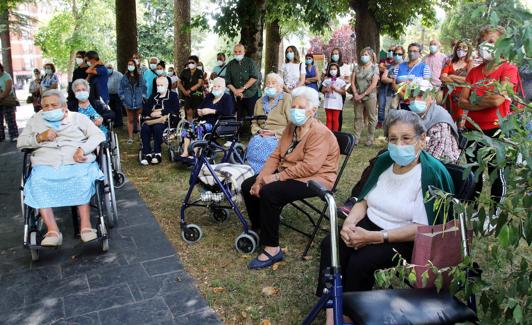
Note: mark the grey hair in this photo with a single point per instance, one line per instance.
(80, 82)
(275, 76)
(310, 94)
(402, 116)
(220, 81)
(54, 92)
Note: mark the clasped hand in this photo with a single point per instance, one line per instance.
(354, 236)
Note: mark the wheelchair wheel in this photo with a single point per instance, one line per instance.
(110, 198)
(119, 179)
(237, 155)
(255, 236)
(140, 155)
(219, 215)
(33, 242)
(245, 243)
(105, 242)
(115, 149)
(191, 233)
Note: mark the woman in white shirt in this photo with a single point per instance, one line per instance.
(390, 207)
(293, 70)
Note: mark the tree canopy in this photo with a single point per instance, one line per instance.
(156, 31)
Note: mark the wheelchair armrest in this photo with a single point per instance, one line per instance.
(28, 150)
(256, 118)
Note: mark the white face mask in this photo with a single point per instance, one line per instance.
(153, 66)
(79, 61)
(334, 73)
(486, 51)
(161, 89)
(192, 66)
(219, 63)
(136, 61)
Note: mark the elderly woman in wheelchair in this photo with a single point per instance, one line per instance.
(274, 105)
(64, 170)
(307, 151)
(390, 206)
(155, 115)
(215, 105)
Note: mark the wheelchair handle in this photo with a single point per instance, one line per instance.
(198, 144)
(318, 189)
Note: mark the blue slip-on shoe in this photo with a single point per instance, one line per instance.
(256, 264)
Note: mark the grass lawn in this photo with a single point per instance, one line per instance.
(233, 291)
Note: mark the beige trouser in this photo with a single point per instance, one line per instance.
(369, 109)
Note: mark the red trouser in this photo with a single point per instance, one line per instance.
(333, 119)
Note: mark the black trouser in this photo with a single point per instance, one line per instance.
(245, 106)
(265, 212)
(9, 114)
(358, 266)
(116, 106)
(498, 187)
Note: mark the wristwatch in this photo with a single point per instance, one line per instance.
(385, 237)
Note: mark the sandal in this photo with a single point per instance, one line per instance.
(88, 234)
(52, 241)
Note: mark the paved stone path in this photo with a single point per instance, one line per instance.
(140, 280)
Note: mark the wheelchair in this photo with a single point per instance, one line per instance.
(103, 202)
(171, 135)
(218, 182)
(198, 130)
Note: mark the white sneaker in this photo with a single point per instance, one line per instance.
(228, 144)
(129, 141)
(144, 161)
(14, 139)
(157, 158)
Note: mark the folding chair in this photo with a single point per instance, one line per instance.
(418, 306)
(346, 142)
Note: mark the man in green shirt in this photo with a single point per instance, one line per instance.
(241, 78)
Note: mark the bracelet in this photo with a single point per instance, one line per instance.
(277, 177)
(385, 237)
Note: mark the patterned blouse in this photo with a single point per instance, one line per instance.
(442, 144)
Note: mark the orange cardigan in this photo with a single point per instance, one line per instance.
(314, 158)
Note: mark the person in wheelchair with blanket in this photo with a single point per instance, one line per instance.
(215, 105)
(154, 115)
(390, 207)
(64, 170)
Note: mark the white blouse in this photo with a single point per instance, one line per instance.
(291, 74)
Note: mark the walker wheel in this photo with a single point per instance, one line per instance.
(255, 236)
(105, 242)
(191, 233)
(171, 153)
(33, 242)
(245, 243)
(120, 179)
(237, 156)
(220, 215)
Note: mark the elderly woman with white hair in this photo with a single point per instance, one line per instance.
(81, 90)
(275, 104)
(307, 151)
(64, 170)
(215, 105)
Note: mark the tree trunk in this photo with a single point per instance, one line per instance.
(6, 42)
(273, 42)
(182, 40)
(366, 27)
(251, 14)
(126, 32)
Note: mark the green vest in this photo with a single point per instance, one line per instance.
(433, 173)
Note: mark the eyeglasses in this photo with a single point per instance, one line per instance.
(397, 53)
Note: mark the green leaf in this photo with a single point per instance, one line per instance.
(504, 236)
(412, 277)
(518, 314)
(439, 281)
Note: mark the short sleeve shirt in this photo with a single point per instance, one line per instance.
(404, 73)
(334, 100)
(238, 73)
(218, 70)
(4, 78)
(47, 81)
(189, 78)
(291, 74)
(364, 76)
(480, 83)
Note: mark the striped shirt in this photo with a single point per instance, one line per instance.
(403, 72)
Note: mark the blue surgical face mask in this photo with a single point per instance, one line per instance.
(270, 92)
(418, 106)
(153, 66)
(412, 56)
(109, 71)
(297, 116)
(402, 155)
(364, 59)
(308, 61)
(433, 49)
(389, 55)
(290, 56)
(82, 95)
(398, 58)
(239, 57)
(159, 72)
(130, 68)
(335, 57)
(54, 115)
(217, 92)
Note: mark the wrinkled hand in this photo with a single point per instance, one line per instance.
(255, 189)
(79, 156)
(156, 114)
(345, 234)
(269, 179)
(98, 121)
(239, 92)
(358, 97)
(359, 237)
(48, 135)
(200, 112)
